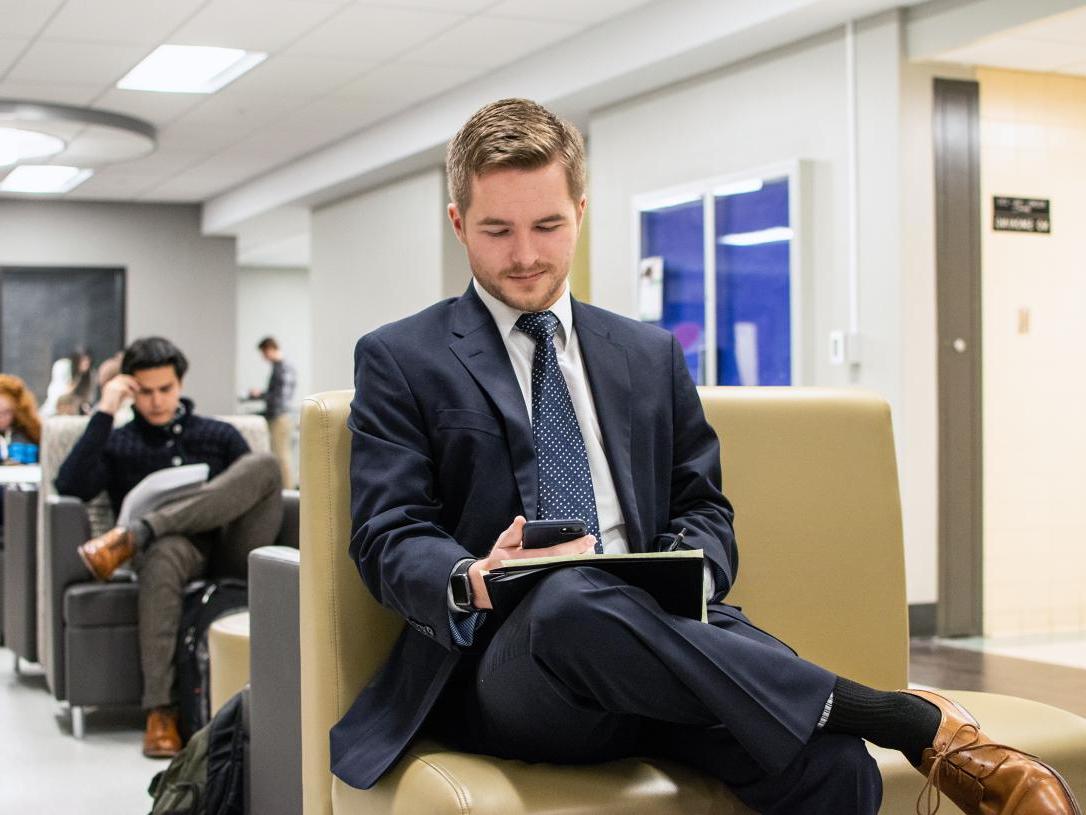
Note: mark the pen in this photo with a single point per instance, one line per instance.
(675, 544)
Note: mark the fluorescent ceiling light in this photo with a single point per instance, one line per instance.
(44, 178)
(18, 145)
(738, 187)
(671, 201)
(189, 69)
(772, 235)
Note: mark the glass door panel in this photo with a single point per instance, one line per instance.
(672, 277)
(753, 237)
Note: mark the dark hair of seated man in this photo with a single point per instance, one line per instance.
(153, 352)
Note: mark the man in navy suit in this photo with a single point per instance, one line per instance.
(515, 401)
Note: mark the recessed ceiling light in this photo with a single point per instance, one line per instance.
(17, 145)
(739, 187)
(189, 69)
(44, 178)
(774, 234)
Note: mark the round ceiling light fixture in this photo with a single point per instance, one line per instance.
(88, 137)
(17, 144)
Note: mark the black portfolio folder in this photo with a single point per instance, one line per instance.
(674, 579)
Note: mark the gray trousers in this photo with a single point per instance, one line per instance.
(234, 513)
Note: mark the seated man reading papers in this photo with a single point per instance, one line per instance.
(238, 509)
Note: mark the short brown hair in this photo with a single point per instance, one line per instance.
(268, 343)
(517, 133)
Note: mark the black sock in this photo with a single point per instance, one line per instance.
(899, 721)
(141, 533)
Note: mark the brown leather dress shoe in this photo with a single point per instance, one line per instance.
(102, 555)
(161, 739)
(984, 778)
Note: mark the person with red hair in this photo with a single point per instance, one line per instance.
(19, 420)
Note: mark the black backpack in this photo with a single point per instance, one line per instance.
(204, 603)
(208, 776)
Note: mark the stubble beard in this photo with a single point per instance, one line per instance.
(528, 303)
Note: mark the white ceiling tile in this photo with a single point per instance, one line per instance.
(180, 188)
(405, 81)
(161, 163)
(373, 33)
(1067, 27)
(1018, 53)
(114, 183)
(61, 93)
(302, 75)
(156, 108)
(255, 25)
(25, 18)
(197, 136)
(461, 6)
(62, 61)
(320, 123)
(1077, 69)
(241, 113)
(575, 11)
(487, 42)
(9, 50)
(145, 22)
(212, 176)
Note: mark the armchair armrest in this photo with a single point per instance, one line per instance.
(288, 532)
(65, 526)
(275, 743)
(21, 572)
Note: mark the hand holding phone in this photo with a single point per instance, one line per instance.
(541, 534)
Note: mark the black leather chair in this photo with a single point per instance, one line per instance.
(20, 573)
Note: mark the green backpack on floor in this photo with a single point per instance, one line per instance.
(208, 776)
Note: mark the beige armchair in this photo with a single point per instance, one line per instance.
(813, 477)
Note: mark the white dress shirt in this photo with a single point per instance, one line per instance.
(521, 349)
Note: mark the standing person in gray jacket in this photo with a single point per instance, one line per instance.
(278, 397)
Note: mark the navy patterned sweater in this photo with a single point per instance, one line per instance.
(117, 460)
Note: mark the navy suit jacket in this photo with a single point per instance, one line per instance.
(442, 460)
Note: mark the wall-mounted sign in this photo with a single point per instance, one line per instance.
(1021, 215)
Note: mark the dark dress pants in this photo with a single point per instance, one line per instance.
(588, 668)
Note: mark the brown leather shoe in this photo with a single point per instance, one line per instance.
(102, 555)
(984, 778)
(161, 739)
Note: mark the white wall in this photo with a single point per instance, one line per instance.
(178, 283)
(791, 104)
(377, 257)
(1033, 144)
(275, 302)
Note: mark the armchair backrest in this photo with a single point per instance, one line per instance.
(811, 472)
(813, 478)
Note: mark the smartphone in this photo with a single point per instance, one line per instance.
(540, 534)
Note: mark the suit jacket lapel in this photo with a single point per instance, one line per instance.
(481, 350)
(608, 371)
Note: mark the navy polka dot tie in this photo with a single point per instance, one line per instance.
(565, 481)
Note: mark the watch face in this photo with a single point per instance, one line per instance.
(461, 590)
